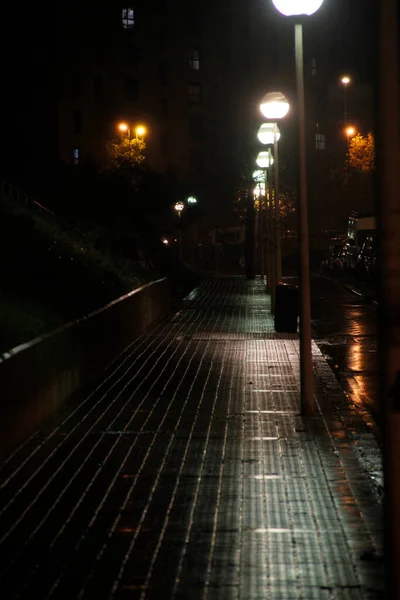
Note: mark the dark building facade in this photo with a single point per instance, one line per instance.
(183, 69)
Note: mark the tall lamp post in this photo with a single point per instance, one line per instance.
(265, 161)
(345, 80)
(179, 206)
(274, 106)
(297, 8)
(259, 192)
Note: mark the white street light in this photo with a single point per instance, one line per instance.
(192, 200)
(274, 106)
(266, 133)
(264, 160)
(296, 8)
(259, 176)
(291, 8)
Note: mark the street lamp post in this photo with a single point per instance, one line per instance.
(140, 131)
(296, 8)
(265, 161)
(179, 206)
(345, 80)
(259, 192)
(274, 106)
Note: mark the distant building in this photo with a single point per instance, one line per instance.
(186, 70)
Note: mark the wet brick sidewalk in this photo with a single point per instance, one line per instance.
(189, 473)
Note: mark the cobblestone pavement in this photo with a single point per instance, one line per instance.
(189, 473)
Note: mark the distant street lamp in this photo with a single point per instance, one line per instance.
(350, 132)
(179, 206)
(140, 131)
(265, 161)
(345, 80)
(192, 200)
(266, 133)
(297, 8)
(274, 106)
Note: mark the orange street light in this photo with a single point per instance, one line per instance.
(123, 127)
(140, 130)
(350, 131)
(345, 80)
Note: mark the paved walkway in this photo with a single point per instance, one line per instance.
(188, 473)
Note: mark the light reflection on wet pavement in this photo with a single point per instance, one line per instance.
(344, 326)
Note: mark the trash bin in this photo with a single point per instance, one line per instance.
(286, 308)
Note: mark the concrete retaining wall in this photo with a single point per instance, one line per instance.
(37, 378)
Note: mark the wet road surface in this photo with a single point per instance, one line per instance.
(344, 326)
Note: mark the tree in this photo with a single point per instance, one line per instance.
(361, 153)
(123, 154)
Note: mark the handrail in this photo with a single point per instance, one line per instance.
(14, 193)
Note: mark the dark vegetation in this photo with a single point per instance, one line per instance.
(102, 240)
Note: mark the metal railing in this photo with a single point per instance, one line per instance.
(12, 192)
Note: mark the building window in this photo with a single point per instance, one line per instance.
(76, 121)
(128, 18)
(76, 156)
(194, 59)
(131, 89)
(320, 141)
(196, 127)
(194, 93)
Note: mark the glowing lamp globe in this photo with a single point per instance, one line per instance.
(264, 160)
(259, 176)
(291, 8)
(274, 106)
(179, 206)
(266, 133)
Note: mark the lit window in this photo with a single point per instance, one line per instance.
(76, 156)
(194, 59)
(128, 18)
(194, 92)
(320, 141)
